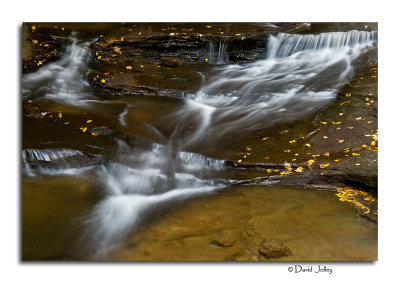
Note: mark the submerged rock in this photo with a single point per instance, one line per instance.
(170, 62)
(224, 239)
(273, 249)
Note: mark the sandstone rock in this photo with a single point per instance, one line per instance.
(273, 249)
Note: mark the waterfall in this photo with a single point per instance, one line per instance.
(301, 75)
(284, 45)
(63, 80)
(218, 54)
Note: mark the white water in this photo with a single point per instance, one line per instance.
(300, 75)
(218, 53)
(63, 80)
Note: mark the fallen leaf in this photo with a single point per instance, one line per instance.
(264, 139)
(311, 161)
(33, 28)
(340, 141)
(89, 121)
(240, 160)
(60, 115)
(292, 141)
(93, 134)
(355, 154)
(299, 170)
(326, 154)
(129, 67)
(373, 143)
(358, 118)
(324, 165)
(336, 160)
(269, 170)
(308, 145)
(286, 150)
(83, 129)
(103, 81)
(288, 166)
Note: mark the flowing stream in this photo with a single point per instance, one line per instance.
(300, 75)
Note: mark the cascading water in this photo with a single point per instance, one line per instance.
(63, 80)
(300, 75)
(218, 53)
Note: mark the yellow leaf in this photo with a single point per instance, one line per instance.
(122, 38)
(324, 123)
(308, 145)
(240, 160)
(206, 59)
(35, 41)
(129, 67)
(288, 166)
(264, 139)
(364, 145)
(93, 134)
(29, 101)
(299, 169)
(269, 170)
(99, 57)
(358, 118)
(60, 115)
(340, 141)
(373, 143)
(355, 154)
(208, 26)
(116, 49)
(33, 28)
(311, 161)
(103, 81)
(286, 150)
(336, 123)
(248, 148)
(89, 121)
(336, 160)
(294, 159)
(83, 129)
(324, 165)
(292, 141)
(326, 154)
(357, 164)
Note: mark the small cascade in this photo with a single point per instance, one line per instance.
(63, 80)
(56, 162)
(218, 53)
(284, 45)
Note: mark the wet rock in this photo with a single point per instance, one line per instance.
(170, 62)
(223, 239)
(273, 249)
